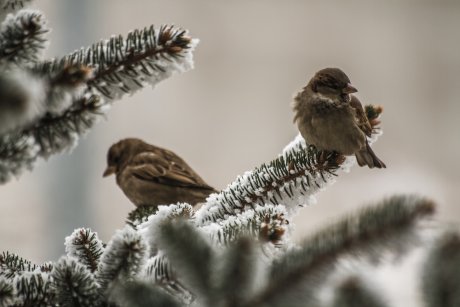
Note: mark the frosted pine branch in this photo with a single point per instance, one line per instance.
(267, 223)
(354, 293)
(11, 265)
(11, 6)
(74, 285)
(22, 37)
(47, 106)
(441, 278)
(33, 289)
(238, 273)
(195, 264)
(138, 293)
(84, 245)
(158, 270)
(292, 180)
(20, 150)
(7, 294)
(389, 226)
(123, 66)
(151, 228)
(123, 258)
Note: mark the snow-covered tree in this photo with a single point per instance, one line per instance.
(235, 250)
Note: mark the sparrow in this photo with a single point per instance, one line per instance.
(332, 119)
(151, 176)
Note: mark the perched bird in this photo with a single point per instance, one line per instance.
(152, 176)
(332, 119)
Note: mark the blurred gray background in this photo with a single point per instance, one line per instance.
(232, 112)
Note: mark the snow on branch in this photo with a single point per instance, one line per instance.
(267, 223)
(391, 225)
(7, 295)
(46, 106)
(292, 179)
(123, 258)
(145, 57)
(11, 6)
(441, 278)
(84, 245)
(353, 292)
(73, 284)
(33, 289)
(11, 266)
(22, 37)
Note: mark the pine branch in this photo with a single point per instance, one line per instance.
(267, 223)
(84, 245)
(11, 265)
(353, 293)
(74, 285)
(160, 272)
(11, 6)
(441, 278)
(33, 289)
(292, 179)
(151, 228)
(19, 151)
(22, 37)
(237, 276)
(22, 98)
(140, 215)
(123, 66)
(123, 258)
(390, 225)
(138, 293)
(7, 295)
(190, 254)
(47, 107)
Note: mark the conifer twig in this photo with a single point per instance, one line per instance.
(123, 258)
(74, 285)
(292, 179)
(194, 264)
(353, 293)
(84, 245)
(441, 277)
(22, 37)
(389, 225)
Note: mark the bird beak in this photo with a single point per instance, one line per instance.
(350, 89)
(109, 171)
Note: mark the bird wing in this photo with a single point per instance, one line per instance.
(165, 168)
(361, 118)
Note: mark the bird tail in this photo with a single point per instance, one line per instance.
(366, 156)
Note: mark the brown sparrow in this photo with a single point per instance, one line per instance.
(152, 176)
(332, 119)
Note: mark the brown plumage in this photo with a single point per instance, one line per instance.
(332, 119)
(152, 176)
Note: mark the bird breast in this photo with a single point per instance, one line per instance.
(332, 126)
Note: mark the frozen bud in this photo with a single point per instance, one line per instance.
(273, 228)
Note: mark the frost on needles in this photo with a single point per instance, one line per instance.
(48, 104)
(236, 249)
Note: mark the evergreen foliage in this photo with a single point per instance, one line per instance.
(233, 251)
(46, 105)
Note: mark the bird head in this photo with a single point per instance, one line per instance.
(332, 83)
(120, 153)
